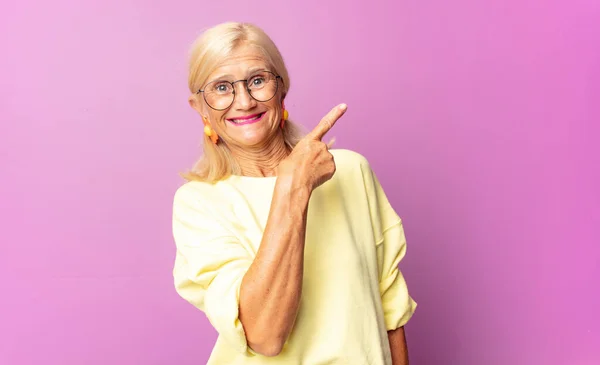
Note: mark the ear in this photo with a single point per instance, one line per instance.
(195, 103)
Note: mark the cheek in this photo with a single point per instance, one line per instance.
(275, 110)
(217, 119)
(214, 116)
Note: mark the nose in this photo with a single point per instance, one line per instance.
(243, 99)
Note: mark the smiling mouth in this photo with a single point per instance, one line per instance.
(248, 119)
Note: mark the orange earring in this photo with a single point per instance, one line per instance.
(285, 116)
(209, 131)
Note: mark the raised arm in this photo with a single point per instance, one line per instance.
(271, 288)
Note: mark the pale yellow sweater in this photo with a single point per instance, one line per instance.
(352, 292)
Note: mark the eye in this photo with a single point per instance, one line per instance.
(221, 87)
(257, 81)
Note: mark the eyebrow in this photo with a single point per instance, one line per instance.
(229, 76)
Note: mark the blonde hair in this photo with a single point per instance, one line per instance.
(209, 49)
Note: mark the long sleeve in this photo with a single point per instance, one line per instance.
(398, 306)
(209, 266)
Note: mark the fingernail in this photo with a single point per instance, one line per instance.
(343, 107)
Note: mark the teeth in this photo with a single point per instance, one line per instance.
(245, 120)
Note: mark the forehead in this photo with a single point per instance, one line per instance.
(242, 61)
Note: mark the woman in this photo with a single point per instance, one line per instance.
(281, 280)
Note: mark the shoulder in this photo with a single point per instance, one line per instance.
(192, 190)
(198, 195)
(353, 171)
(351, 165)
(349, 159)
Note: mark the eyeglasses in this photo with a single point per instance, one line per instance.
(220, 94)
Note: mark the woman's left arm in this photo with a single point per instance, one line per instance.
(398, 346)
(398, 306)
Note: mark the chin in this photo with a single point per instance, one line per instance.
(251, 139)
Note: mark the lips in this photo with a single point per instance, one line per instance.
(247, 119)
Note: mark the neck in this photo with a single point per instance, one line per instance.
(261, 161)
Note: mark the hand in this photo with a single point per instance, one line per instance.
(310, 163)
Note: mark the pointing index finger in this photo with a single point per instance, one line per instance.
(328, 122)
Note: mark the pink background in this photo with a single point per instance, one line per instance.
(479, 117)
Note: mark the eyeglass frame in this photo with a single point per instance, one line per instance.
(277, 78)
